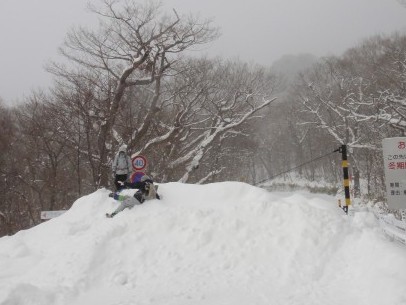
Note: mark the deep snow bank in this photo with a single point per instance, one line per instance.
(221, 243)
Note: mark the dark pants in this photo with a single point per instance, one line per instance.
(118, 178)
(139, 196)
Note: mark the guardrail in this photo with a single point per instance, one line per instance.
(392, 227)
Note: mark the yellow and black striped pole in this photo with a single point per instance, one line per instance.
(343, 151)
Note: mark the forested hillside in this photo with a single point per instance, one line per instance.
(197, 120)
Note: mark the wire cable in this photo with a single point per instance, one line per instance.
(296, 167)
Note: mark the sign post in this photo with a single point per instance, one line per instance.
(139, 164)
(394, 156)
(344, 163)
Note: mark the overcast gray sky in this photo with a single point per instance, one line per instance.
(258, 31)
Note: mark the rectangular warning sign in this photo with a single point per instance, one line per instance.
(394, 154)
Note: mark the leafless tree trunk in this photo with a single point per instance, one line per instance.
(135, 46)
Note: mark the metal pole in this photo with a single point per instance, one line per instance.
(343, 151)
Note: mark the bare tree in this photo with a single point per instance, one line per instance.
(136, 45)
(8, 215)
(389, 98)
(357, 98)
(207, 103)
(330, 94)
(43, 153)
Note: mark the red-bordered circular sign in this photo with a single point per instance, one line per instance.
(139, 163)
(136, 176)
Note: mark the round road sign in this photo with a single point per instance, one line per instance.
(136, 176)
(139, 163)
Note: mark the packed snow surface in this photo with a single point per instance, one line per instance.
(221, 243)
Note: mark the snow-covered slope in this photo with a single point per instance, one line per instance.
(221, 243)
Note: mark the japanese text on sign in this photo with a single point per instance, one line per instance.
(394, 153)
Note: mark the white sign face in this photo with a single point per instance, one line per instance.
(394, 156)
(51, 214)
(139, 163)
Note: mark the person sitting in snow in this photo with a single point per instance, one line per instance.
(121, 167)
(146, 191)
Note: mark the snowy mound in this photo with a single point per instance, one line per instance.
(221, 243)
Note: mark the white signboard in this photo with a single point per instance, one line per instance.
(51, 214)
(394, 154)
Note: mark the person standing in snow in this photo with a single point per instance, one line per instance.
(146, 191)
(121, 167)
